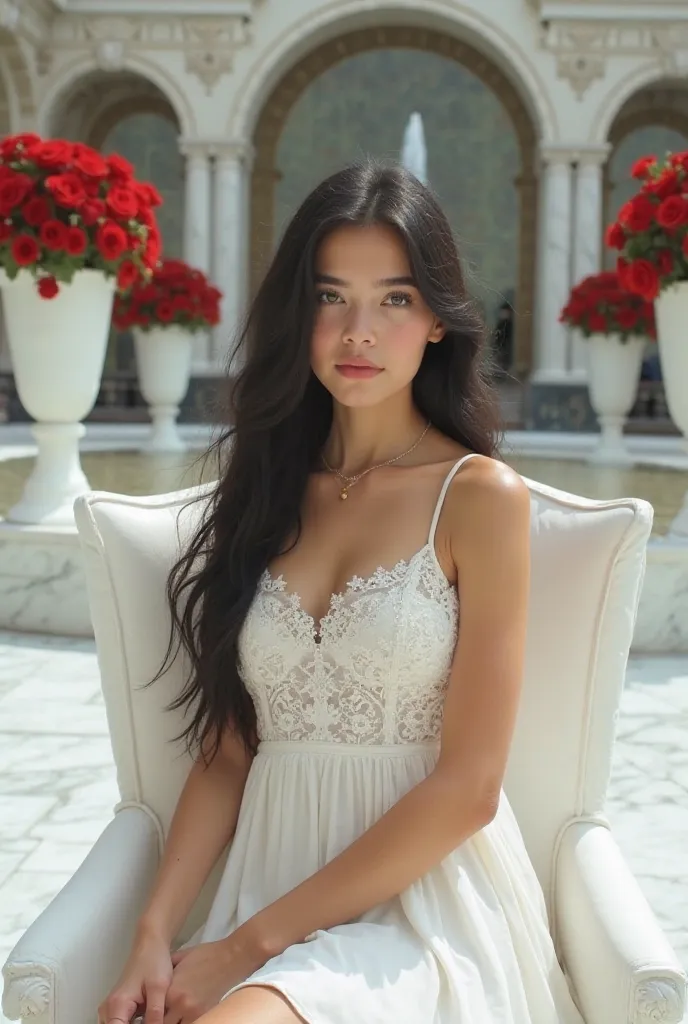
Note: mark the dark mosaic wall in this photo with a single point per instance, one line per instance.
(362, 105)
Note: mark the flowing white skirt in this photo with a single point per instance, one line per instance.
(468, 943)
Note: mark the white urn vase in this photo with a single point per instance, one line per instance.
(613, 374)
(57, 347)
(163, 358)
(671, 314)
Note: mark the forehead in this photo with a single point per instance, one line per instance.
(375, 250)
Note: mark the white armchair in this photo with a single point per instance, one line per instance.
(588, 561)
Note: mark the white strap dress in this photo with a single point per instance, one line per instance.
(349, 714)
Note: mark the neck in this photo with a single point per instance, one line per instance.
(361, 438)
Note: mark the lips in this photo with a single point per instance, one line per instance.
(358, 370)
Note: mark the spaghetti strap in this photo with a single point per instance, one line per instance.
(445, 487)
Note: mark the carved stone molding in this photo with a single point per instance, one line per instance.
(582, 48)
(211, 46)
(580, 70)
(208, 43)
(659, 1001)
(27, 990)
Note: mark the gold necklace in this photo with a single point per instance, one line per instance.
(349, 481)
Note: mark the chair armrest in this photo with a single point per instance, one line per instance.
(620, 963)
(69, 958)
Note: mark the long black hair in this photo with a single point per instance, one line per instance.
(281, 416)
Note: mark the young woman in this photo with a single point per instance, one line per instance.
(351, 736)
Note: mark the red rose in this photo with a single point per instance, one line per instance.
(77, 241)
(89, 162)
(48, 287)
(680, 160)
(164, 311)
(36, 211)
(638, 214)
(67, 190)
(122, 201)
(53, 153)
(92, 211)
(148, 194)
(642, 278)
(147, 217)
(12, 143)
(665, 261)
(111, 240)
(126, 275)
(641, 167)
(13, 191)
(153, 248)
(615, 237)
(672, 212)
(119, 167)
(5, 230)
(53, 235)
(597, 322)
(25, 250)
(667, 184)
(627, 318)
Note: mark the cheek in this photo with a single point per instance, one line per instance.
(324, 339)
(405, 340)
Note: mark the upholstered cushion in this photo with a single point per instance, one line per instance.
(588, 560)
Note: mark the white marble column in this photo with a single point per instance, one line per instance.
(197, 227)
(554, 267)
(230, 242)
(587, 235)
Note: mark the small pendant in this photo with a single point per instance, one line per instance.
(344, 493)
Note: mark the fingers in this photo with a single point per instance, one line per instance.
(117, 1007)
(155, 1003)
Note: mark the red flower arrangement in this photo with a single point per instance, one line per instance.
(65, 207)
(651, 232)
(176, 294)
(600, 304)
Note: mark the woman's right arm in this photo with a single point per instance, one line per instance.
(204, 822)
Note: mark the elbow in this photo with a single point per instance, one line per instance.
(477, 803)
(487, 805)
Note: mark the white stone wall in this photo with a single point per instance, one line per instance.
(574, 64)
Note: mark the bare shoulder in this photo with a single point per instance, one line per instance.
(487, 500)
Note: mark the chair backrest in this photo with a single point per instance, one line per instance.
(588, 560)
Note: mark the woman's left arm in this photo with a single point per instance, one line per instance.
(488, 513)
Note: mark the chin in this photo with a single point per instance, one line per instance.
(356, 398)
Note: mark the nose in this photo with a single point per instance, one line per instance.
(358, 328)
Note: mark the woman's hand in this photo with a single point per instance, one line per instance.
(143, 983)
(203, 975)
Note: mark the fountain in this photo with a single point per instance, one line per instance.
(414, 152)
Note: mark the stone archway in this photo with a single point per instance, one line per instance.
(277, 107)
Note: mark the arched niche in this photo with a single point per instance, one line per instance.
(274, 118)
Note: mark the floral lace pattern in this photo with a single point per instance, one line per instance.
(373, 671)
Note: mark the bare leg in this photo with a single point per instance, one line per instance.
(255, 1004)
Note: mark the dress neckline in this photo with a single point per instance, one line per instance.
(381, 577)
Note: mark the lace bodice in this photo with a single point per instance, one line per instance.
(375, 671)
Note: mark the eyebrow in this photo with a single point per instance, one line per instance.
(385, 282)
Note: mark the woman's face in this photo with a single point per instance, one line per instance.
(371, 323)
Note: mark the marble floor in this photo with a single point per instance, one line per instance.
(57, 779)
